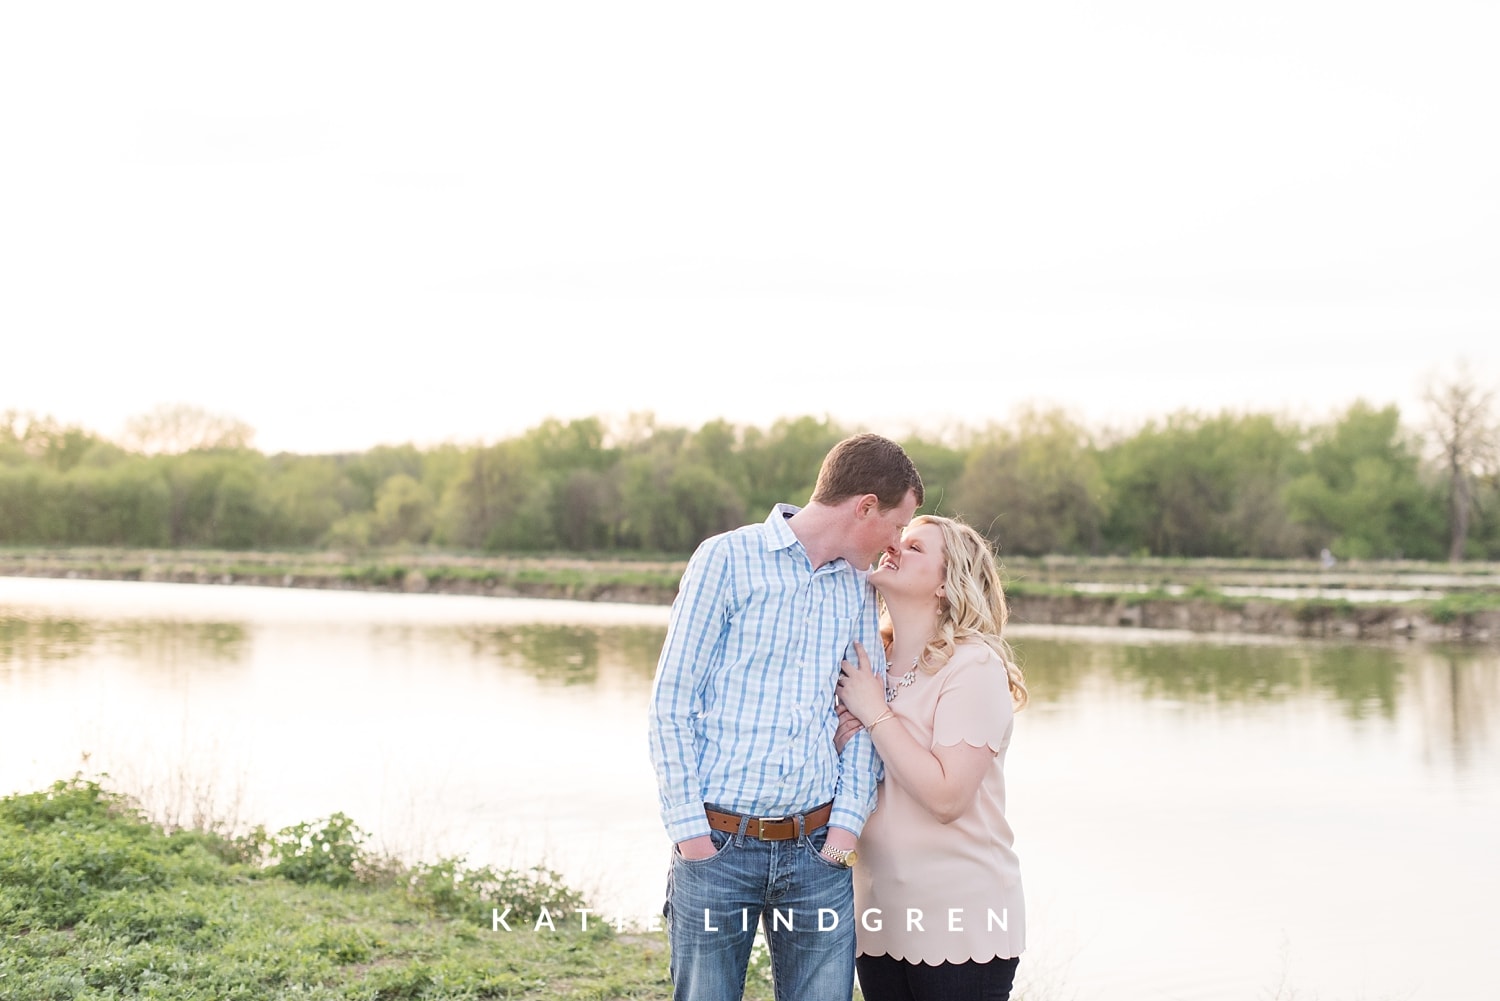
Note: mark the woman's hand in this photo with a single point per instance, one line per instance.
(849, 725)
(859, 689)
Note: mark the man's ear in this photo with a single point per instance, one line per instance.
(868, 505)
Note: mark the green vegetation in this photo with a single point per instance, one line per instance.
(557, 577)
(95, 902)
(1240, 486)
(1462, 608)
(1321, 610)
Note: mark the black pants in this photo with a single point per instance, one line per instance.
(882, 978)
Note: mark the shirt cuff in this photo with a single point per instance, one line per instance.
(685, 821)
(850, 821)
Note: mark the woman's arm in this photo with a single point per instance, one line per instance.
(944, 780)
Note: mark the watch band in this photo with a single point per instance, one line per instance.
(845, 857)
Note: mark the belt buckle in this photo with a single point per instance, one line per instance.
(760, 823)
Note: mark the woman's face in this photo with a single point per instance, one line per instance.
(917, 568)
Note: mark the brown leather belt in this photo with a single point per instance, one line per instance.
(770, 828)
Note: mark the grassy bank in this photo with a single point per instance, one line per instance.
(1465, 616)
(649, 581)
(96, 902)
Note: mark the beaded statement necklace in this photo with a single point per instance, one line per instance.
(904, 681)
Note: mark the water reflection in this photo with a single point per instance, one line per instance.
(30, 639)
(27, 640)
(1459, 697)
(1362, 679)
(1454, 691)
(182, 643)
(569, 654)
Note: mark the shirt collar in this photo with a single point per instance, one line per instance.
(779, 536)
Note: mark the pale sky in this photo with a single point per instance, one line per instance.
(353, 223)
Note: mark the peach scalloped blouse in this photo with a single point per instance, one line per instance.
(929, 892)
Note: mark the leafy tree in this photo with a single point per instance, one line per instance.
(1188, 485)
(701, 504)
(306, 495)
(501, 501)
(1035, 487)
(31, 512)
(577, 444)
(1204, 486)
(587, 506)
(940, 466)
(27, 437)
(216, 499)
(351, 533)
(1362, 495)
(782, 464)
(126, 505)
(443, 465)
(403, 511)
(641, 481)
(368, 471)
(1484, 528)
(719, 446)
(239, 507)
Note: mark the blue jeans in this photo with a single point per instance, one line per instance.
(806, 903)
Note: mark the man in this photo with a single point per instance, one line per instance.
(764, 812)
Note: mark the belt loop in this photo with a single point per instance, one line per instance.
(801, 827)
(739, 837)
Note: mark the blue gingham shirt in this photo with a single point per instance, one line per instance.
(742, 710)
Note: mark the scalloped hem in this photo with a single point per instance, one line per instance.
(965, 740)
(946, 959)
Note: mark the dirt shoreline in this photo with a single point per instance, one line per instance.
(1313, 617)
(1310, 618)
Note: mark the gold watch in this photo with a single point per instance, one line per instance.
(845, 857)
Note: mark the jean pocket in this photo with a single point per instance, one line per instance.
(721, 840)
(814, 844)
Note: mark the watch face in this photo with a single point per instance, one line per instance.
(850, 858)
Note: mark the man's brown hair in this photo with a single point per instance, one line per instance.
(867, 464)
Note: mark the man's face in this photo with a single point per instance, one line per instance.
(878, 531)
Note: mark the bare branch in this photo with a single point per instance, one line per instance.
(181, 427)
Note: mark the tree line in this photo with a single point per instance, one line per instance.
(1362, 484)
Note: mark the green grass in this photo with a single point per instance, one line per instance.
(1461, 608)
(96, 902)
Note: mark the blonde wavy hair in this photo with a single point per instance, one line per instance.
(973, 605)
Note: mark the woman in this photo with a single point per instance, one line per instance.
(937, 886)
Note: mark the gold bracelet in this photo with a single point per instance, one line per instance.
(881, 719)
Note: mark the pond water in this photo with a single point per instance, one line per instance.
(1196, 818)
